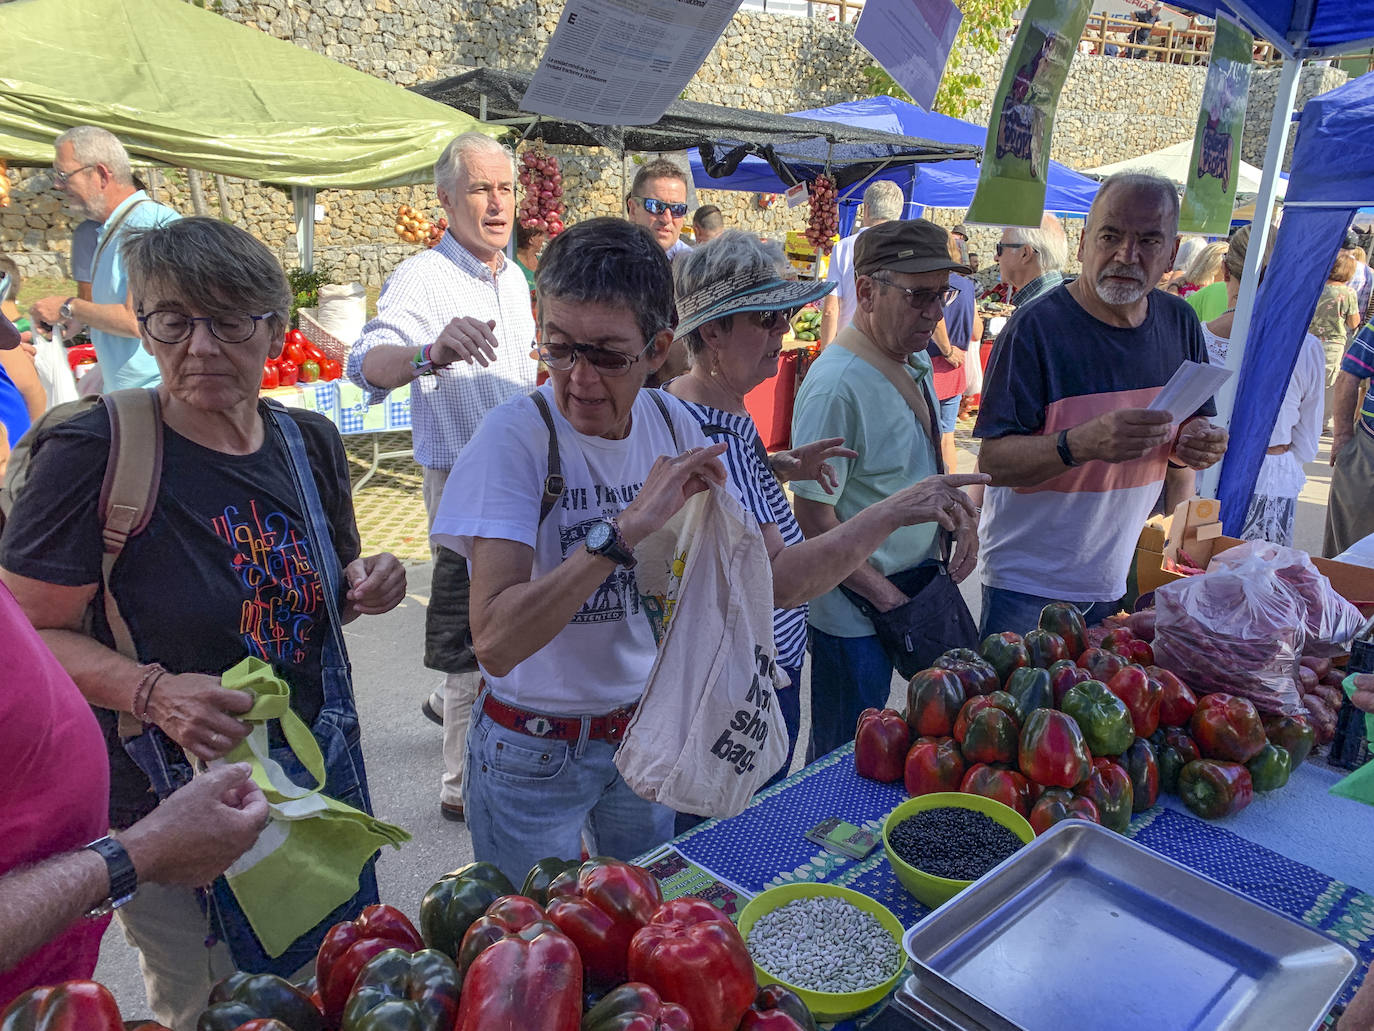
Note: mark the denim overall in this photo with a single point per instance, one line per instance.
(335, 728)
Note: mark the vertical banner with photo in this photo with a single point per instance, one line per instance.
(1011, 181)
(1211, 191)
(911, 40)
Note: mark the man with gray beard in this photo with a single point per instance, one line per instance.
(1076, 458)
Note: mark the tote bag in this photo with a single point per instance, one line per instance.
(708, 732)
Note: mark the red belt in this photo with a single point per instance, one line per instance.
(610, 727)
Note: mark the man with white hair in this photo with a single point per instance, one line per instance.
(1032, 260)
(454, 324)
(883, 202)
(91, 169)
(1075, 455)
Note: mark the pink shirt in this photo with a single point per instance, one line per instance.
(55, 791)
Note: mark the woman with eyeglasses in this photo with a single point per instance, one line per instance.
(734, 339)
(252, 551)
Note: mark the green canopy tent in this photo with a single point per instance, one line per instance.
(185, 87)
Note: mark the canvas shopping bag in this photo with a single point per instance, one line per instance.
(708, 732)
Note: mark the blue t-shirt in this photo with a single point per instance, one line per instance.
(14, 413)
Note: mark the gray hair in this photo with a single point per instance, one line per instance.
(614, 262)
(1152, 182)
(211, 266)
(883, 201)
(92, 145)
(1049, 242)
(731, 253)
(1188, 249)
(454, 159)
(1206, 264)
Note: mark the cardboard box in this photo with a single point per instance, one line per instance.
(1194, 528)
(804, 257)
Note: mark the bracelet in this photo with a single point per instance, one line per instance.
(422, 363)
(1176, 465)
(1065, 455)
(152, 673)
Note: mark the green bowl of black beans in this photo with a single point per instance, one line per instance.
(939, 844)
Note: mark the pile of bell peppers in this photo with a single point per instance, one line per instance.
(300, 361)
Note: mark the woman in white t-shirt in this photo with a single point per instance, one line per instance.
(1297, 430)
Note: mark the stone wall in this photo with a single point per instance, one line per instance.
(1113, 108)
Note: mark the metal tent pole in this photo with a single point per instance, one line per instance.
(303, 205)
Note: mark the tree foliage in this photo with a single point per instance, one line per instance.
(981, 31)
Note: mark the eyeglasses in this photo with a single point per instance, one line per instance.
(172, 327)
(608, 362)
(770, 319)
(1003, 246)
(654, 206)
(923, 299)
(60, 178)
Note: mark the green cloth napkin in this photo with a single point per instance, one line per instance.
(306, 863)
(1360, 784)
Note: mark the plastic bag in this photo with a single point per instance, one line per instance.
(1330, 622)
(1237, 628)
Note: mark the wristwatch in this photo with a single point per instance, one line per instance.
(66, 309)
(123, 877)
(1065, 455)
(604, 539)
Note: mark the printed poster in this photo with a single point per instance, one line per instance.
(911, 39)
(1210, 195)
(622, 62)
(1016, 157)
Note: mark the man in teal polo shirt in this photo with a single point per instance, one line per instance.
(873, 387)
(91, 169)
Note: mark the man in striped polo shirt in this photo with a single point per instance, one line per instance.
(1350, 510)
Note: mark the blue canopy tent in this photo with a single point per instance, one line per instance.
(944, 184)
(1333, 176)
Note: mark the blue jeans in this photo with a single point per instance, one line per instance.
(527, 798)
(1011, 610)
(848, 675)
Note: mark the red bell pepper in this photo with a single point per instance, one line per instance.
(1052, 750)
(991, 737)
(270, 377)
(977, 676)
(1057, 804)
(933, 764)
(976, 704)
(933, 700)
(1005, 652)
(330, 370)
(1006, 786)
(1045, 648)
(880, 745)
(603, 907)
(1215, 789)
(1142, 695)
(635, 1007)
(1109, 788)
(1227, 727)
(508, 915)
(1174, 750)
(691, 954)
(1063, 675)
(288, 372)
(1118, 640)
(350, 944)
(1142, 653)
(1064, 619)
(1176, 701)
(529, 981)
(1142, 767)
(777, 1009)
(69, 1006)
(1102, 664)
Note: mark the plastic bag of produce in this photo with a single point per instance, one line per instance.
(708, 731)
(1236, 628)
(1331, 622)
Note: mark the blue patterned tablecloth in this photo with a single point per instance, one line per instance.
(346, 406)
(764, 846)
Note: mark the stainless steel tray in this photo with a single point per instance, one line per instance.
(1084, 928)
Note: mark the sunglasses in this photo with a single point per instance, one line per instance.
(562, 357)
(923, 299)
(654, 206)
(770, 319)
(1003, 246)
(172, 327)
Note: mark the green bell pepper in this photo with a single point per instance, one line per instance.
(1030, 686)
(1004, 652)
(633, 1006)
(1212, 788)
(1270, 769)
(455, 902)
(544, 873)
(242, 997)
(402, 991)
(1102, 716)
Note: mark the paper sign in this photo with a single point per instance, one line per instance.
(1190, 387)
(622, 62)
(1211, 190)
(1016, 157)
(797, 194)
(911, 40)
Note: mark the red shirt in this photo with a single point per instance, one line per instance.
(55, 792)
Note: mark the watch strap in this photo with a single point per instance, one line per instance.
(123, 876)
(65, 309)
(616, 548)
(1065, 455)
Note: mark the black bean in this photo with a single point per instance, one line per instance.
(953, 842)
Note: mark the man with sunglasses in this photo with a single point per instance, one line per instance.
(873, 387)
(564, 646)
(1032, 260)
(658, 202)
(91, 170)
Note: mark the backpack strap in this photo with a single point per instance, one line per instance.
(554, 484)
(714, 429)
(657, 397)
(128, 493)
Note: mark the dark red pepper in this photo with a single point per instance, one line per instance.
(1142, 695)
(880, 745)
(1227, 727)
(1056, 804)
(991, 737)
(777, 1009)
(1292, 733)
(1063, 675)
(350, 944)
(1214, 789)
(1064, 619)
(635, 1007)
(1143, 769)
(605, 904)
(1118, 640)
(528, 981)
(1109, 788)
(1052, 750)
(69, 1006)
(933, 764)
(1176, 701)
(976, 676)
(507, 916)
(1006, 786)
(1005, 652)
(1045, 648)
(997, 700)
(1102, 664)
(691, 954)
(933, 700)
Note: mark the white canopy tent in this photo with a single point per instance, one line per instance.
(1172, 162)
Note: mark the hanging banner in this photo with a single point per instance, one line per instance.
(911, 40)
(1210, 194)
(1016, 157)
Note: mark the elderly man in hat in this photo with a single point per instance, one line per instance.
(873, 387)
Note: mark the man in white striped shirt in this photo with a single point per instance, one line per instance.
(454, 324)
